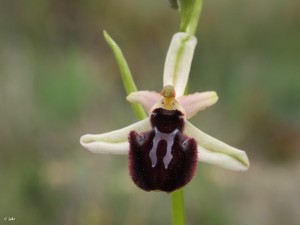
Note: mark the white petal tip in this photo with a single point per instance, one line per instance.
(237, 162)
(131, 97)
(214, 97)
(88, 142)
(208, 98)
(244, 161)
(92, 144)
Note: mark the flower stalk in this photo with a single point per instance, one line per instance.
(190, 11)
(178, 215)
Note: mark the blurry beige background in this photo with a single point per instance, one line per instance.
(59, 80)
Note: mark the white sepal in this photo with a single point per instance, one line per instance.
(214, 151)
(114, 142)
(178, 61)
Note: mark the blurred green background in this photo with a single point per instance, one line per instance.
(59, 80)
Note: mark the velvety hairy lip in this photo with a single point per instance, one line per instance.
(164, 158)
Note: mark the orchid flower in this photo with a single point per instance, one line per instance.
(164, 148)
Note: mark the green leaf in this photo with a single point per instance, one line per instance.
(126, 75)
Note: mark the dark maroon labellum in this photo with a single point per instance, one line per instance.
(164, 158)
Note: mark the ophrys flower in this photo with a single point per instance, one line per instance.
(164, 148)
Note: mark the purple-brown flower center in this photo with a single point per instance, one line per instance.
(164, 158)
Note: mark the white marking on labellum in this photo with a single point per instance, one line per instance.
(140, 139)
(169, 138)
(184, 144)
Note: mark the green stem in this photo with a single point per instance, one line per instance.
(125, 74)
(178, 213)
(190, 11)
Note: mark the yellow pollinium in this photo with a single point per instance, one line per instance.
(169, 94)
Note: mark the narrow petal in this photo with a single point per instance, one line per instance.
(115, 142)
(178, 61)
(216, 152)
(197, 102)
(146, 98)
